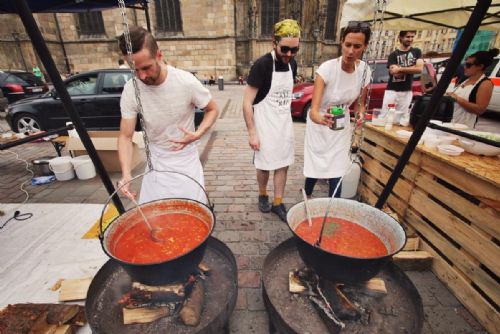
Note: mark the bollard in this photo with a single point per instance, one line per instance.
(220, 82)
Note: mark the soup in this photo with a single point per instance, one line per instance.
(178, 234)
(342, 237)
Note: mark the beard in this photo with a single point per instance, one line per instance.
(152, 79)
(283, 59)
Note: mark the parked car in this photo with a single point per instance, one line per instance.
(95, 95)
(493, 71)
(17, 85)
(302, 93)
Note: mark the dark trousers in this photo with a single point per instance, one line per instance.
(332, 184)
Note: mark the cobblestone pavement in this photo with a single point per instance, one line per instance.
(231, 184)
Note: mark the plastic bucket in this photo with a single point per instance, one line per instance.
(62, 168)
(84, 167)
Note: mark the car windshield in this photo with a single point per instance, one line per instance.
(24, 78)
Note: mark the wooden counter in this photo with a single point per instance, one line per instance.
(453, 205)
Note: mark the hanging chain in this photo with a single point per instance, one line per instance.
(128, 43)
(376, 26)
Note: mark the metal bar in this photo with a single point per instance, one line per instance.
(464, 134)
(44, 54)
(34, 137)
(146, 13)
(468, 34)
(61, 42)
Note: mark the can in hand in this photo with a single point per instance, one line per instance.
(338, 118)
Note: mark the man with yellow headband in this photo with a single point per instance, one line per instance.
(266, 109)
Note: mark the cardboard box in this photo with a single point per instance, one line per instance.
(106, 145)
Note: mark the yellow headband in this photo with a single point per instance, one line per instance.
(287, 28)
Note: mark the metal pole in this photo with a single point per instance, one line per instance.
(15, 35)
(472, 26)
(44, 54)
(146, 12)
(58, 28)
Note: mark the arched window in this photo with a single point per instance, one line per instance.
(270, 10)
(168, 16)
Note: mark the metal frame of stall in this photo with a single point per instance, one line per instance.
(478, 13)
(24, 11)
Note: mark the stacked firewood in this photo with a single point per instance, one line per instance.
(144, 303)
(41, 318)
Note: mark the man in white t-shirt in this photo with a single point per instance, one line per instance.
(168, 97)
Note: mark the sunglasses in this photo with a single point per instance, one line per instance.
(358, 24)
(285, 49)
(469, 65)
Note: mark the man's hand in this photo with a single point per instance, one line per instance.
(188, 138)
(254, 142)
(394, 69)
(124, 186)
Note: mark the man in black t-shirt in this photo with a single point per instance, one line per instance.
(402, 63)
(266, 109)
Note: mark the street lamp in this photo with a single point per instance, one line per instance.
(315, 34)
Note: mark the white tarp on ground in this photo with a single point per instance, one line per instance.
(451, 13)
(35, 253)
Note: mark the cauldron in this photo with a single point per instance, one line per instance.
(164, 272)
(341, 268)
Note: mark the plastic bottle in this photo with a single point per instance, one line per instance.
(350, 181)
(339, 117)
(390, 117)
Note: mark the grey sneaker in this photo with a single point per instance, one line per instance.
(264, 205)
(280, 210)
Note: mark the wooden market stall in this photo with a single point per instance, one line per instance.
(453, 204)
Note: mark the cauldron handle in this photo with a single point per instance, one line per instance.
(119, 186)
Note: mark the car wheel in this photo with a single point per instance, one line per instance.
(26, 123)
(306, 111)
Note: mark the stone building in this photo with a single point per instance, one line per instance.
(206, 37)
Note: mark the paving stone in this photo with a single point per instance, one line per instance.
(255, 300)
(249, 322)
(249, 279)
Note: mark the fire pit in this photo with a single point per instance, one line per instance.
(398, 311)
(104, 313)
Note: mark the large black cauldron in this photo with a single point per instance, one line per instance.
(338, 267)
(164, 272)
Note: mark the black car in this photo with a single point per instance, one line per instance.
(17, 85)
(95, 95)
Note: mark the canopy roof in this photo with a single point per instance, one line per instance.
(421, 14)
(66, 6)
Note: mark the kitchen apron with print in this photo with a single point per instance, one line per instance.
(273, 122)
(159, 185)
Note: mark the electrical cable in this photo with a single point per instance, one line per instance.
(28, 169)
(17, 216)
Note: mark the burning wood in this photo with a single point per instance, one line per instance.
(144, 304)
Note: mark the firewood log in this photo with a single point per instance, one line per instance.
(144, 315)
(191, 310)
(340, 304)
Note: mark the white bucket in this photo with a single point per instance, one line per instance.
(62, 168)
(84, 167)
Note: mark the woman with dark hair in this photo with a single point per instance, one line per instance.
(337, 85)
(473, 95)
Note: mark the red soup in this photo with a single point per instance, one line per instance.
(342, 237)
(179, 233)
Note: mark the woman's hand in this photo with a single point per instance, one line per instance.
(323, 119)
(254, 142)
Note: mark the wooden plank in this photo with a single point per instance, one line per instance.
(74, 289)
(391, 143)
(483, 217)
(378, 153)
(144, 315)
(475, 243)
(487, 192)
(485, 313)
(413, 260)
(412, 244)
(393, 202)
(470, 268)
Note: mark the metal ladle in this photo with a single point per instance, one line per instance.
(318, 242)
(152, 230)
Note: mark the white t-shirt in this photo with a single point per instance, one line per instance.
(167, 107)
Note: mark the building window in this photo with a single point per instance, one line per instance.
(90, 24)
(331, 20)
(168, 16)
(270, 15)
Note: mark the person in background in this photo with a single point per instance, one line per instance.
(338, 83)
(121, 64)
(266, 109)
(473, 95)
(402, 63)
(168, 97)
(37, 72)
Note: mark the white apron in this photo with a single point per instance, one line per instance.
(158, 185)
(273, 122)
(326, 151)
